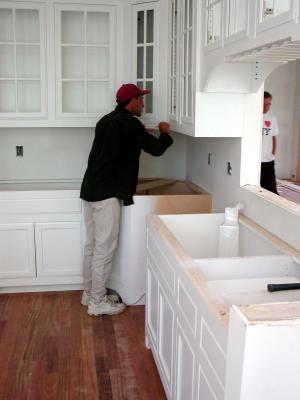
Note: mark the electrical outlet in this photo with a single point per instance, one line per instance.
(229, 168)
(209, 159)
(19, 151)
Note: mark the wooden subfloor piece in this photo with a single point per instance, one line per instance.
(50, 349)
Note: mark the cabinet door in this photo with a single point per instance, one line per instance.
(237, 20)
(214, 11)
(85, 68)
(22, 60)
(145, 49)
(271, 13)
(58, 248)
(186, 379)
(17, 258)
(186, 70)
(174, 60)
(165, 339)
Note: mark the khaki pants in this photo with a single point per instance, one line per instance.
(102, 221)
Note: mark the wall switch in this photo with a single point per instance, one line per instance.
(229, 168)
(19, 151)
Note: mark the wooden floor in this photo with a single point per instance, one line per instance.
(51, 349)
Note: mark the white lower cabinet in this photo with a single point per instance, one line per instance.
(41, 239)
(40, 250)
(17, 253)
(58, 248)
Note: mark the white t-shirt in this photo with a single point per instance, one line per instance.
(269, 129)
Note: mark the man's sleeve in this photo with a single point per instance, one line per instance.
(155, 146)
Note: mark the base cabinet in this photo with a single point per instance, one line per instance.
(58, 248)
(17, 252)
(41, 239)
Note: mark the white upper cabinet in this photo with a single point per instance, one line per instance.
(149, 62)
(85, 47)
(22, 60)
(271, 13)
(182, 64)
(213, 12)
(236, 20)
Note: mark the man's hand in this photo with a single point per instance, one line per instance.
(164, 127)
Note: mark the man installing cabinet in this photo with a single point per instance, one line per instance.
(109, 182)
(269, 143)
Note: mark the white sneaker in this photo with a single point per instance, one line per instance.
(105, 307)
(85, 298)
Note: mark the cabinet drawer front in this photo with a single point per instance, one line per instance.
(54, 205)
(17, 256)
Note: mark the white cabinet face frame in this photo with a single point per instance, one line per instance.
(271, 13)
(85, 60)
(173, 87)
(237, 20)
(145, 50)
(17, 253)
(213, 24)
(22, 60)
(187, 43)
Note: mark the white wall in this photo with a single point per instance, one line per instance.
(284, 86)
(214, 178)
(62, 153)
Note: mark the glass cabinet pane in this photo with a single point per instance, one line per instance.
(140, 27)
(29, 96)
(6, 25)
(73, 97)
(97, 26)
(97, 62)
(213, 21)
(241, 15)
(72, 62)
(150, 26)
(72, 23)
(27, 26)
(28, 61)
(97, 97)
(149, 62)
(7, 61)
(7, 97)
(140, 62)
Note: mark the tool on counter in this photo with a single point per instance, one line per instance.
(275, 287)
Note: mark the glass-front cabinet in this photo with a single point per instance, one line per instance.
(214, 9)
(85, 60)
(181, 89)
(274, 12)
(22, 60)
(237, 20)
(145, 54)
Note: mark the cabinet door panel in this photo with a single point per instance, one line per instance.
(152, 303)
(22, 60)
(185, 367)
(58, 248)
(165, 345)
(17, 257)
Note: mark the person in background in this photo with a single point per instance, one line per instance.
(109, 182)
(269, 143)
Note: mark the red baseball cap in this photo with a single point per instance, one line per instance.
(129, 91)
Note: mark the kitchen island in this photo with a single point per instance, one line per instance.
(214, 330)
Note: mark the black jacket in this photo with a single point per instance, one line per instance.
(113, 162)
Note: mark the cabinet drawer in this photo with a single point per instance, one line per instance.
(12, 204)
